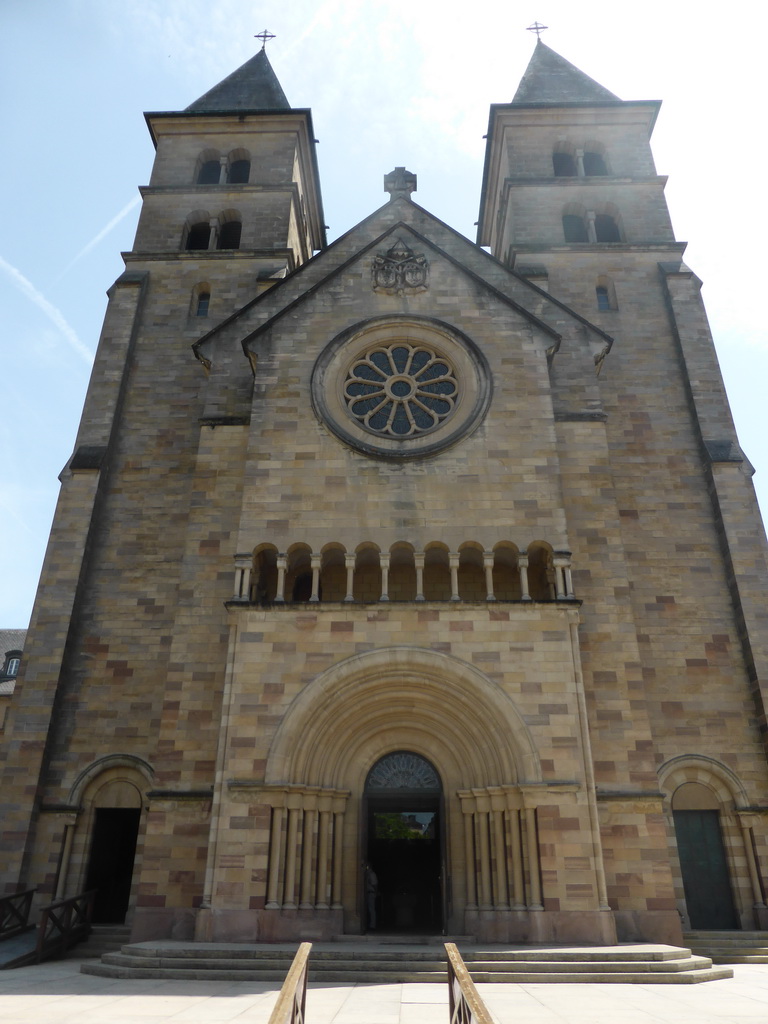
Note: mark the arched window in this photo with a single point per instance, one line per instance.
(198, 236)
(239, 172)
(605, 293)
(203, 302)
(564, 165)
(574, 228)
(12, 666)
(606, 228)
(594, 164)
(209, 173)
(603, 300)
(229, 234)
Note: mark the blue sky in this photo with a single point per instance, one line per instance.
(388, 85)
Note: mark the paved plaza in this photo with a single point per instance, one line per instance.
(57, 992)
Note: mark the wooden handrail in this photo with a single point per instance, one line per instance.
(289, 1008)
(465, 1004)
(14, 912)
(63, 923)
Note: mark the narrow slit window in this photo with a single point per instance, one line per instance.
(203, 302)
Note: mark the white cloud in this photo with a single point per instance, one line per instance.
(53, 314)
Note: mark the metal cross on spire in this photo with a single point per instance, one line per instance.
(264, 37)
(537, 28)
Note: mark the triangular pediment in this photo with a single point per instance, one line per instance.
(390, 233)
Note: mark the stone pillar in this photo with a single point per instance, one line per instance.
(749, 850)
(568, 580)
(453, 564)
(501, 901)
(282, 564)
(469, 854)
(481, 822)
(222, 170)
(338, 849)
(349, 562)
(418, 561)
(591, 233)
(243, 567)
(533, 859)
(307, 849)
(488, 566)
(518, 885)
(522, 565)
(273, 877)
(289, 896)
(580, 162)
(213, 235)
(558, 564)
(323, 834)
(315, 564)
(384, 563)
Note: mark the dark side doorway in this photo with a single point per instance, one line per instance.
(110, 867)
(704, 868)
(403, 844)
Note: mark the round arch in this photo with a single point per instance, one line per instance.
(402, 698)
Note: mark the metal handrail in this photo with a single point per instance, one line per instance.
(289, 1008)
(14, 912)
(465, 1004)
(63, 923)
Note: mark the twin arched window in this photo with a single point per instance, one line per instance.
(588, 226)
(234, 169)
(203, 233)
(570, 162)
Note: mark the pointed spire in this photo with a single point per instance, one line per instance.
(551, 79)
(254, 86)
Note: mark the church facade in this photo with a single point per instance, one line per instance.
(410, 586)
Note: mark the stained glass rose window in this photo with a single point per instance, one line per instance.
(401, 389)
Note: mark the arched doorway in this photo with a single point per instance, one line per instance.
(404, 845)
(703, 860)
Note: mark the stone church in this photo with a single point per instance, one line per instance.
(405, 583)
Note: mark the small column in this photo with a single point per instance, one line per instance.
(568, 581)
(518, 886)
(502, 890)
(488, 566)
(418, 561)
(282, 565)
(481, 822)
(222, 170)
(453, 565)
(349, 562)
(243, 566)
(591, 233)
(323, 831)
(469, 854)
(307, 849)
(558, 565)
(533, 859)
(338, 850)
(522, 565)
(289, 896)
(754, 875)
(213, 234)
(273, 877)
(384, 563)
(580, 162)
(314, 562)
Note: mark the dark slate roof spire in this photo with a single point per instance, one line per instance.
(550, 79)
(254, 86)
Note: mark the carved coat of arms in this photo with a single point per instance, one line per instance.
(399, 270)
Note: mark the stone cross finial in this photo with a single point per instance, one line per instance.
(537, 28)
(264, 37)
(399, 183)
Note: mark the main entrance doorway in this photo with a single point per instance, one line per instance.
(110, 868)
(404, 878)
(704, 868)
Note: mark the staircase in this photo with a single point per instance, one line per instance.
(730, 947)
(103, 938)
(380, 964)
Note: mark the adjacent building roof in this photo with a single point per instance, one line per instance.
(551, 79)
(254, 86)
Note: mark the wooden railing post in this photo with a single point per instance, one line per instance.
(464, 1002)
(291, 1003)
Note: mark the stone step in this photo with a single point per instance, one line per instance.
(734, 947)
(104, 938)
(234, 962)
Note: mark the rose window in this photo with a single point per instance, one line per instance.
(401, 390)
